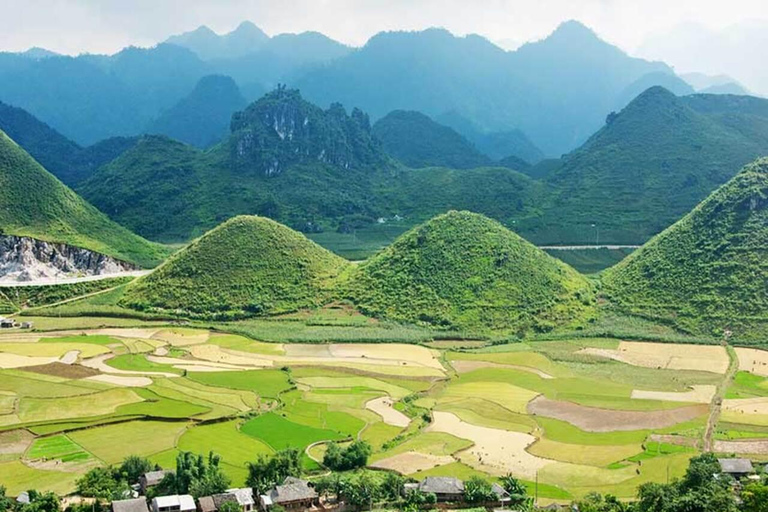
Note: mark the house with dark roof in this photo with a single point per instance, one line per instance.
(293, 494)
(152, 478)
(445, 488)
(242, 497)
(206, 504)
(737, 468)
(133, 505)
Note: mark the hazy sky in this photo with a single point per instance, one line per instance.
(105, 26)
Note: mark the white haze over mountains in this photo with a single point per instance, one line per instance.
(707, 36)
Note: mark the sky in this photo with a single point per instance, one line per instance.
(106, 26)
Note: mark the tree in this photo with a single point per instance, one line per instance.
(596, 502)
(134, 466)
(230, 506)
(518, 493)
(267, 472)
(102, 483)
(196, 475)
(362, 491)
(5, 502)
(41, 502)
(392, 486)
(755, 498)
(353, 456)
(478, 490)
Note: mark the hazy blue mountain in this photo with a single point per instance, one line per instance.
(417, 141)
(208, 45)
(62, 157)
(38, 53)
(728, 88)
(557, 91)
(202, 118)
(93, 97)
(495, 145)
(668, 81)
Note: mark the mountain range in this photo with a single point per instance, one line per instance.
(510, 102)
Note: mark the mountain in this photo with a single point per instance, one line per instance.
(496, 145)
(693, 47)
(706, 273)
(93, 97)
(649, 165)
(435, 72)
(202, 118)
(417, 141)
(247, 266)
(208, 45)
(461, 270)
(63, 158)
(284, 158)
(37, 205)
(715, 84)
(670, 82)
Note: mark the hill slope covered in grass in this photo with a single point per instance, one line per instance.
(462, 270)
(417, 141)
(37, 205)
(247, 266)
(709, 271)
(650, 165)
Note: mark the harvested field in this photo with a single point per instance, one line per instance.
(122, 380)
(70, 357)
(216, 354)
(466, 366)
(699, 394)
(600, 455)
(593, 419)
(66, 371)
(496, 451)
(747, 405)
(310, 350)
(512, 398)
(15, 442)
(388, 351)
(8, 360)
(753, 360)
(383, 407)
(412, 462)
(125, 332)
(178, 362)
(674, 439)
(746, 446)
(708, 358)
(182, 337)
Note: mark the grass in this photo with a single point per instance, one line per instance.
(113, 443)
(243, 344)
(225, 439)
(159, 405)
(37, 296)
(747, 385)
(379, 433)
(211, 279)
(590, 455)
(279, 433)
(392, 390)
(94, 404)
(563, 432)
(431, 443)
(140, 363)
(267, 383)
(344, 420)
(486, 413)
(38, 205)
(18, 477)
(590, 261)
(55, 349)
(56, 447)
(512, 398)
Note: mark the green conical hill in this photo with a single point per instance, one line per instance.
(464, 271)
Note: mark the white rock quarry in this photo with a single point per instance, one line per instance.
(24, 259)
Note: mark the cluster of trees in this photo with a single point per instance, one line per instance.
(195, 475)
(703, 489)
(114, 483)
(268, 472)
(354, 456)
(38, 502)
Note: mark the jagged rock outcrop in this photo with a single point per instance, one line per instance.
(28, 259)
(281, 129)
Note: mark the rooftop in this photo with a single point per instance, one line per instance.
(134, 505)
(155, 477)
(293, 489)
(736, 465)
(442, 485)
(182, 502)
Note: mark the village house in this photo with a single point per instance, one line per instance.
(175, 503)
(133, 505)
(445, 488)
(7, 323)
(292, 495)
(151, 479)
(737, 468)
(243, 497)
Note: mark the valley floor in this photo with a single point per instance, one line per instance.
(576, 415)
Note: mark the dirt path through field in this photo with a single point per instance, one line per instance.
(716, 405)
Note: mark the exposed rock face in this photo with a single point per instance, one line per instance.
(281, 129)
(28, 259)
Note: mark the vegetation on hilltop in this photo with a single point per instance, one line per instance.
(417, 141)
(708, 272)
(463, 270)
(247, 266)
(37, 205)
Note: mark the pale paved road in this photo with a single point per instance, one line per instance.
(44, 282)
(583, 247)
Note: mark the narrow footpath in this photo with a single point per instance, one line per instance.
(717, 400)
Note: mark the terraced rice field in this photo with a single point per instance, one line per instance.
(578, 415)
